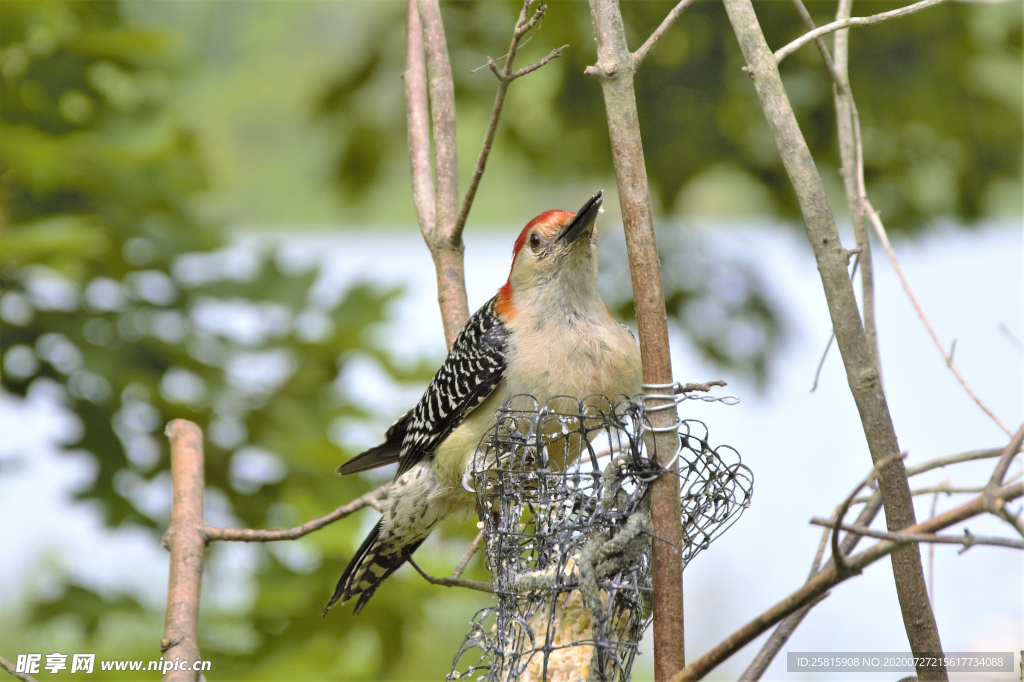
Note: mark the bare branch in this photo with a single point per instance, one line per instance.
(1010, 335)
(967, 540)
(872, 215)
(370, 499)
(931, 552)
(418, 117)
(832, 335)
(939, 462)
(453, 582)
(505, 76)
(185, 541)
(470, 551)
(554, 54)
(820, 44)
(615, 71)
(1012, 519)
(645, 49)
(853, 21)
(828, 578)
(13, 670)
(444, 240)
(852, 160)
(1009, 452)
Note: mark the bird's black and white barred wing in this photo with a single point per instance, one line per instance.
(473, 369)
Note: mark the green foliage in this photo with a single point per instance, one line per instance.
(930, 151)
(114, 291)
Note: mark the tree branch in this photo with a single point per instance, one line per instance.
(453, 581)
(615, 67)
(828, 578)
(792, 47)
(1006, 456)
(852, 160)
(418, 117)
(185, 541)
(554, 54)
(940, 462)
(505, 77)
(470, 551)
(858, 356)
(645, 49)
(788, 626)
(967, 540)
(445, 239)
(370, 499)
(13, 670)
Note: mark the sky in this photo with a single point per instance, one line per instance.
(806, 449)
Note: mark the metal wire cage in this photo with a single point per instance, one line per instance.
(562, 493)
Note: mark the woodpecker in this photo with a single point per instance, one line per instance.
(546, 333)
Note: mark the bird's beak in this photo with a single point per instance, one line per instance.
(583, 220)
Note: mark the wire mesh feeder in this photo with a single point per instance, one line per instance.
(562, 491)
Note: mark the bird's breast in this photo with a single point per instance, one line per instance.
(575, 355)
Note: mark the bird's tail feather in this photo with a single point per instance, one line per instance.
(375, 560)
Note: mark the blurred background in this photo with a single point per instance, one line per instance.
(205, 212)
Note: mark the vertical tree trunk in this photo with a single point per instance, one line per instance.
(615, 70)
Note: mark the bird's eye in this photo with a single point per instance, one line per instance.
(534, 240)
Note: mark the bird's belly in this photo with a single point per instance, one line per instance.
(417, 502)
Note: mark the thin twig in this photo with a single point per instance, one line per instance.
(932, 490)
(828, 578)
(872, 215)
(477, 585)
(666, 23)
(852, 163)
(13, 670)
(819, 43)
(554, 54)
(505, 76)
(1011, 336)
(832, 334)
(470, 551)
(938, 462)
(784, 52)
(1013, 519)
(967, 540)
(370, 499)
(931, 554)
(992, 502)
(1009, 452)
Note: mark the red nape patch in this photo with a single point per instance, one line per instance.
(504, 305)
